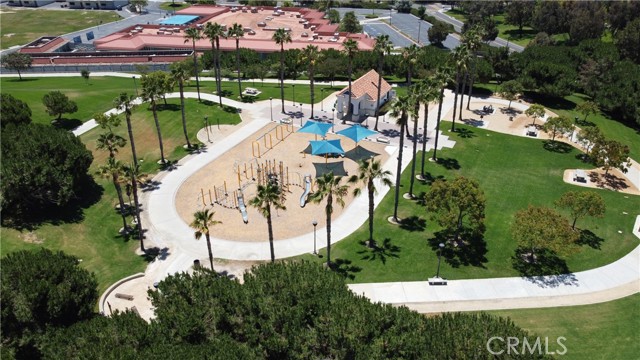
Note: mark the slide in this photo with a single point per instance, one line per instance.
(242, 208)
(307, 189)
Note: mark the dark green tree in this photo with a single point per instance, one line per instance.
(439, 32)
(329, 187)
(520, 13)
(537, 228)
(628, 41)
(350, 23)
(17, 61)
(581, 204)
(42, 289)
(14, 111)
(58, 103)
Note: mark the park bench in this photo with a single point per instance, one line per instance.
(124, 296)
(382, 139)
(437, 281)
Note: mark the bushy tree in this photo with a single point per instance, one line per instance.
(611, 154)
(581, 204)
(350, 23)
(456, 204)
(14, 111)
(535, 111)
(439, 32)
(557, 126)
(510, 90)
(334, 16)
(85, 74)
(42, 289)
(587, 108)
(58, 103)
(520, 13)
(537, 228)
(550, 17)
(42, 167)
(628, 41)
(17, 61)
(585, 20)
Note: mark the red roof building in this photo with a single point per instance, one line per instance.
(364, 93)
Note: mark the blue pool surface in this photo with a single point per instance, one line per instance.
(179, 20)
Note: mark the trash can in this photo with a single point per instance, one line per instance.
(196, 264)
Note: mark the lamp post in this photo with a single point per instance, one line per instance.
(206, 127)
(441, 246)
(333, 117)
(301, 114)
(293, 86)
(218, 120)
(321, 99)
(135, 85)
(419, 27)
(271, 107)
(314, 223)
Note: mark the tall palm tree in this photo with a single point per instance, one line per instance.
(281, 37)
(114, 169)
(329, 187)
(153, 87)
(124, 102)
(427, 92)
(202, 221)
(311, 56)
(180, 74)
(415, 98)
(400, 109)
(369, 171)
(442, 77)
(410, 58)
(473, 39)
(382, 46)
(268, 196)
(193, 34)
(460, 59)
(132, 174)
(110, 142)
(237, 31)
(213, 32)
(350, 49)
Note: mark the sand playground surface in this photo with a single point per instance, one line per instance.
(294, 154)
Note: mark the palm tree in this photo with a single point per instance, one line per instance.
(133, 175)
(114, 169)
(237, 31)
(461, 59)
(311, 56)
(426, 92)
(180, 74)
(267, 196)
(213, 32)
(329, 187)
(410, 57)
(381, 47)
(368, 172)
(441, 79)
(400, 109)
(193, 34)
(281, 37)
(473, 39)
(350, 49)
(153, 87)
(202, 221)
(415, 98)
(124, 102)
(110, 142)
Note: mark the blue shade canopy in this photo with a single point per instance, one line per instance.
(356, 132)
(323, 147)
(316, 128)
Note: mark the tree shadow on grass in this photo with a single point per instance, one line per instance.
(471, 252)
(590, 239)
(168, 107)
(66, 124)
(465, 133)
(449, 163)
(414, 223)
(88, 193)
(583, 123)
(550, 101)
(344, 268)
(548, 270)
(24, 79)
(557, 146)
(428, 178)
(380, 252)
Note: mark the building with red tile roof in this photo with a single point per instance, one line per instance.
(364, 93)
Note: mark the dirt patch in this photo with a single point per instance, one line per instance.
(31, 238)
(9, 34)
(597, 179)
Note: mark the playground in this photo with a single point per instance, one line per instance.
(275, 153)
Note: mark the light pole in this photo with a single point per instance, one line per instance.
(206, 127)
(321, 99)
(293, 86)
(135, 85)
(419, 27)
(333, 119)
(271, 107)
(218, 120)
(314, 223)
(301, 114)
(441, 246)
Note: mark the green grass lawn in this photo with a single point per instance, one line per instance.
(173, 6)
(21, 26)
(513, 172)
(98, 93)
(600, 331)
